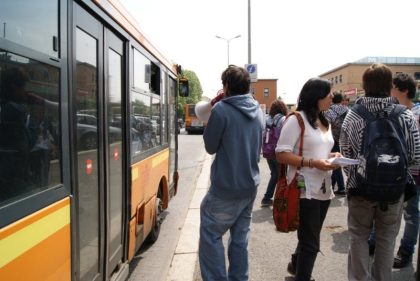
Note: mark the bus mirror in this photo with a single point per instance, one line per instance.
(184, 90)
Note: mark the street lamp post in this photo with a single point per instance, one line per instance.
(228, 41)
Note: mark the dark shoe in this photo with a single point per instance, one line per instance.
(266, 202)
(292, 270)
(340, 192)
(402, 259)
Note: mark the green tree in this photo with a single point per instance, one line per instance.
(196, 91)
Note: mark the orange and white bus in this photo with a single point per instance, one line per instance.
(88, 139)
(192, 123)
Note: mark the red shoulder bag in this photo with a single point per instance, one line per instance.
(287, 196)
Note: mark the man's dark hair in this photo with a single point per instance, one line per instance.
(377, 81)
(338, 98)
(237, 79)
(403, 82)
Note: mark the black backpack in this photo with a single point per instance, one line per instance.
(382, 173)
(336, 125)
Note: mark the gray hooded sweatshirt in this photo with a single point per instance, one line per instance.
(234, 133)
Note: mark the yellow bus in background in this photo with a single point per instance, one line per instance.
(88, 140)
(192, 123)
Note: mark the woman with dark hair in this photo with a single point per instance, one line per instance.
(276, 116)
(315, 97)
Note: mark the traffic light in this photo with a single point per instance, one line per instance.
(184, 90)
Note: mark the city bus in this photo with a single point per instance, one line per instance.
(192, 123)
(88, 139)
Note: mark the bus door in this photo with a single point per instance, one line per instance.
(97, 108)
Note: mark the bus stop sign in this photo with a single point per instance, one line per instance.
(252, 70)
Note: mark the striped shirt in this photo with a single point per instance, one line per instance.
(334, 111)
(415, 169)
(352, 134)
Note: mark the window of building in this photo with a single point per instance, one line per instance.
(266, 92)
(341, 78)
(417, 75)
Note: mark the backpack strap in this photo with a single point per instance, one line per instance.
(397, 110)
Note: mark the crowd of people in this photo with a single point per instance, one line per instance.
(379, 130)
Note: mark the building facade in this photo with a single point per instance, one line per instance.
(265, 92)
(347, 78)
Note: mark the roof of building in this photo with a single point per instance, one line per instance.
(385, 60)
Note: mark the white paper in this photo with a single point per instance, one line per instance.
(343, 161)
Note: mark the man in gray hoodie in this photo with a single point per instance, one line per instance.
(233, 133)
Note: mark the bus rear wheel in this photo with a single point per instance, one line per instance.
(154, 233)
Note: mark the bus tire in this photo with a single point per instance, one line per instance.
(154, 233)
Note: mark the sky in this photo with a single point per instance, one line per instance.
(291, 41)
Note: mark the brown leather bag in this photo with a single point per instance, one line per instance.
(287, 196)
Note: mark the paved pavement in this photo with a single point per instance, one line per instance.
(269, 251)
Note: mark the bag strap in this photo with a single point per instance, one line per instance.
(283, 167)
(396, 111)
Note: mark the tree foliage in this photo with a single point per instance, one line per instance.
(196, 91)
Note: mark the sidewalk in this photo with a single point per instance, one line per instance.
(185, 256)
(269, 250)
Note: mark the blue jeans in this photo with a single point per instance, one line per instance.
(411, 228)
(217, 216)
(274, 172)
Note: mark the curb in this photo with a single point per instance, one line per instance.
(186, 253)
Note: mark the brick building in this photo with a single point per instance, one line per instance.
(265, 92)
(347, 78)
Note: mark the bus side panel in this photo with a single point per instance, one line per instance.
(38, 247)
(146, 177)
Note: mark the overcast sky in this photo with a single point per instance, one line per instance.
(292, 41)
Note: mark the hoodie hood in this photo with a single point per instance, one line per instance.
(375, 105)
(246, 104)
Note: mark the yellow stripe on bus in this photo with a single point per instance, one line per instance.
(159, 159)
(16, 244)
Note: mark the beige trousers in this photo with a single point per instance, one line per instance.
(361, 216)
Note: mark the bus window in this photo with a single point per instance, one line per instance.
(141, 73)
(29, 127)
(183, 87)
(31, 23)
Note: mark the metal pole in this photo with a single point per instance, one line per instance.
(249, 31)
(228, 41)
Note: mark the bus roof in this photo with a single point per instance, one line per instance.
(120, 14)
